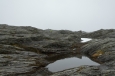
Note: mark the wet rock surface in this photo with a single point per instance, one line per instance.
(25, 51)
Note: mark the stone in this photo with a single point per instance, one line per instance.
(25, 51)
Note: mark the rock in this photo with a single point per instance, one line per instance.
(15, 60)
(25, 51)
(85, 71)
(98, 44)
(102, 50)
(102, 33)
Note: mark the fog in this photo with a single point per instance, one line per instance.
(75, 15)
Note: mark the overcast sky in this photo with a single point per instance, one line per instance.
(75, 15)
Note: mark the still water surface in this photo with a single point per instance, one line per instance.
(67, 63)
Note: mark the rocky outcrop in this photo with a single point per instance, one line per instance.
(102, 33)
(86, 71)
(25, 51)
(39, 39)
(102, 50)
(16, 61)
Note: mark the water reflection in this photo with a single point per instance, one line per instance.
(70, 62)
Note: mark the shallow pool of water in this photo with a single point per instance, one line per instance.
(67, 63)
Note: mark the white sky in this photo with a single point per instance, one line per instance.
(75, 15)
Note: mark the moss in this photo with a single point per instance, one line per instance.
(98, 53)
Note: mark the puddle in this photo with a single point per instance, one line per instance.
(67, 63)
(85, 39)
